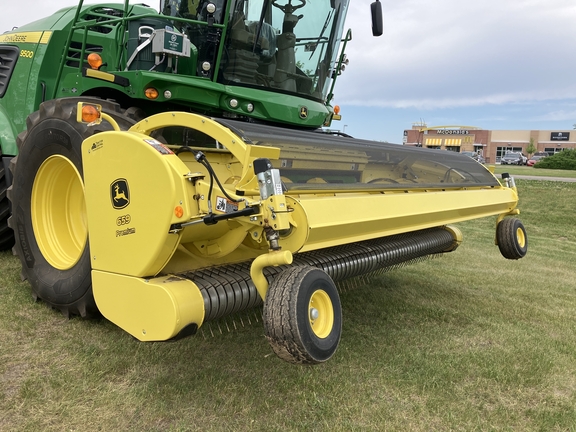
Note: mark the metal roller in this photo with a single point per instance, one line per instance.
(229, 289)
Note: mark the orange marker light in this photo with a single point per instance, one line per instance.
(94, 60)
(337, 109)
(90, 113)
(178, 211)
(151, 93)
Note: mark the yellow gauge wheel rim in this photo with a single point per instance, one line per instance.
(59, 212)
(321, 314)
(521, 238)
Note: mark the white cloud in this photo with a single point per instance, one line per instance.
(559, 115)
(449, 53)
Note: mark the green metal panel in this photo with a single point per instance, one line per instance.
(32, 74)
(14, 104)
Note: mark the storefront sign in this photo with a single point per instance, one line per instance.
(451, 132)
(559, 136)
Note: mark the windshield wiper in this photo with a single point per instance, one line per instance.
(328, 18)
(259, 28)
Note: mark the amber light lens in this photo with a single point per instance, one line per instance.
(151, 93)
(178, 211)
(90, 113)
(94, 60)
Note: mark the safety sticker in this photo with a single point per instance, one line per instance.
(225, 205)
(160, 148)
(97, 145)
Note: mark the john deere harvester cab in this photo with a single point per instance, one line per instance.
(266, 45)
(174, 174)
(268, 61)
(277, 61)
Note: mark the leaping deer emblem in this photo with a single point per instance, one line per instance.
(118, 194)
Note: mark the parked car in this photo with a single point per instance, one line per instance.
(524, 158)
(512, 159)
(534, 159)
(476, 156)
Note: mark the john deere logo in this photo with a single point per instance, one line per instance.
(120, 194)
(303, 112)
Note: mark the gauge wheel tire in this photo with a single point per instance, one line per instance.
(512, 239)
(303, 315)
(48, 208)
(6, 233)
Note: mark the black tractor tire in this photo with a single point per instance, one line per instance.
(55, 256)
(6, 233)
(303, 315)
(511, 238)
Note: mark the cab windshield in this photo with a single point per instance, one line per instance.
(290, 46)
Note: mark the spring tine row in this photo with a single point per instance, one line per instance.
(228, 290)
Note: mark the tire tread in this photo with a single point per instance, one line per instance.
(507, 240)
(281, 317)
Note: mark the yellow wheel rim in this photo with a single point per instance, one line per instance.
(321, 314)
(520, 237)
(59, 212)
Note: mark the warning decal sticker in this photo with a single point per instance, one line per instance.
(161, 148)
(225, 206)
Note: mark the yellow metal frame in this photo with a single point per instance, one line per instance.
(153, 309)
(348, 218)
(274, 258)
(242, 151)
(501, 216)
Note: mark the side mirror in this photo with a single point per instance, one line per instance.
(376, 10)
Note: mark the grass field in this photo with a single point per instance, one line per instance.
(531, 171)
(469, 341)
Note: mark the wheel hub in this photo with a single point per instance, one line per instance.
(521, 237)
(321, 314)
(59, 212)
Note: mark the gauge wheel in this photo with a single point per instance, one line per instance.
(511, 238)
(48, 207)
(303, 315)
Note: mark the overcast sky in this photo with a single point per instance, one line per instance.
(496, 64)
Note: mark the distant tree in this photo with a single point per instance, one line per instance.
(531, 149)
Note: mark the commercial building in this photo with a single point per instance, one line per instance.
(491, 144)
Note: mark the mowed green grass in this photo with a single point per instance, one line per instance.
(469, 341)
(531, 171)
